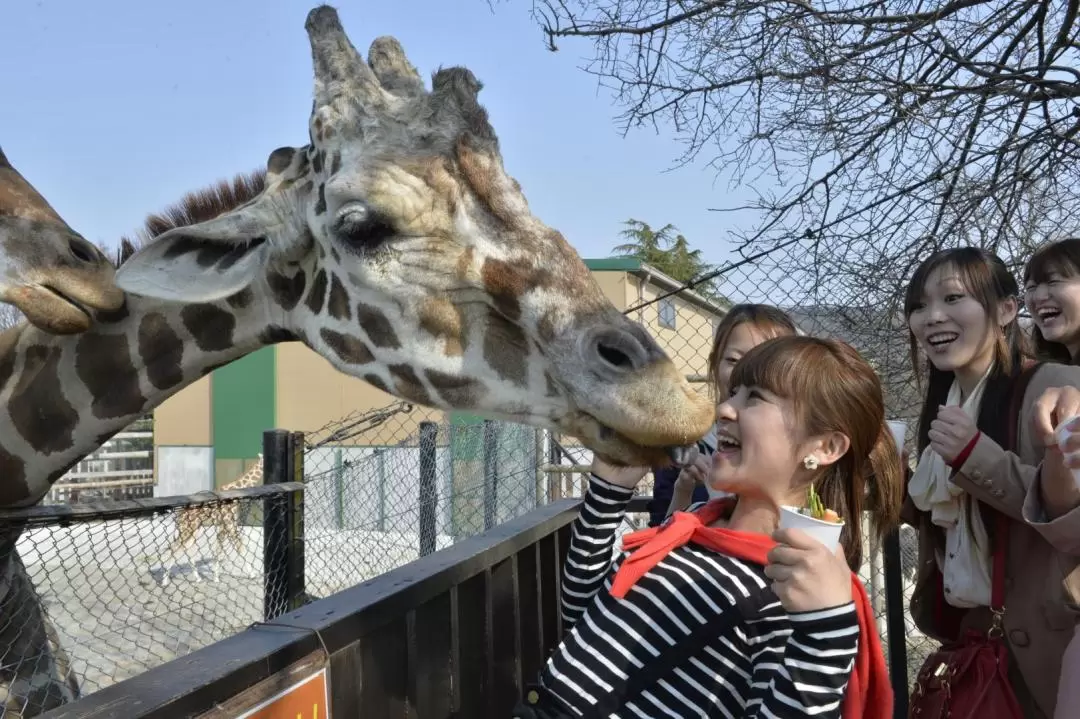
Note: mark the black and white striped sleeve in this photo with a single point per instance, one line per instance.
(592, 537)
(807, 675)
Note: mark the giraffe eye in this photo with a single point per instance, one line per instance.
(361, 227)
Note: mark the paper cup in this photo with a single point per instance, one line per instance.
(1062, 434)
(899, 431)
(827, 533)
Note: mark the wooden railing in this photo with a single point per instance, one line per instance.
(452, 634)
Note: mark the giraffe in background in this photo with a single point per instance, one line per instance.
(222, 516)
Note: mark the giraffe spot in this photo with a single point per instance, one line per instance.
(376, 381)
(14, 487)
(211, 326)
(349, 349)
(161, 350)
(38, 408)
(307, 240)
(409, 385)
(338, 304)
(505, 284)
(320, 206)
(181, 246)
(456, 391)
(307, 187)
(551, 387)
(335, 254)
(335, 163)
(440, 318)
(241, 299)
(7, 368)
(104, 364)
(317, 294)
(317, 161)
(546, 326)
(378, 328)
(504, 349)
(303, 165)
(275, 334)
(111, 317)
(322, 252)
(287, 290)
(280, 159)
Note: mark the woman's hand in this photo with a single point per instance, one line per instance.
(1054, 406)
(951, 432)
(1059, 490)
(620, 476)
(696, 472)
(806, 575)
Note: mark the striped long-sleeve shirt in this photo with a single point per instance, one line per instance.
(777, 664)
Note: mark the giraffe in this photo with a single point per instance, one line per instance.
(396, 246)
(47, 270)
(224, 517)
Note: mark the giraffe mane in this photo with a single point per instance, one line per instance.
(195, 207)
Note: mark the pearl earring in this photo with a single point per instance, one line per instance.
(810, 462)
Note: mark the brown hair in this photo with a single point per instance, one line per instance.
(989, 281)
(1060, 258)
(833, 389)
(766, 319)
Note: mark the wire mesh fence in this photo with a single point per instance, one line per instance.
(100, 592)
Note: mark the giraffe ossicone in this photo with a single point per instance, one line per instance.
(47, 270)
(396, 245)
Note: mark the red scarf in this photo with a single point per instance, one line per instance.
(869, 694)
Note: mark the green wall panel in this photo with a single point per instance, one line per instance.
(244, 405)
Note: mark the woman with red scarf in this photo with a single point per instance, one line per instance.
(717, 613)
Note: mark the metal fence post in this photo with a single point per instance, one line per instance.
(429, 496)
(894, 620)
(491, 487)
(283, 524)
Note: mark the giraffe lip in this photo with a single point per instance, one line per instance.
(67, 298)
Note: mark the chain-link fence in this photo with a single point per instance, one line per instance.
(99, 592)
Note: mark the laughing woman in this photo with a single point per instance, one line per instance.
(979, 488)
(719, 613)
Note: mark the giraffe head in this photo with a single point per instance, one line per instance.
(47, 270)
(397, 246)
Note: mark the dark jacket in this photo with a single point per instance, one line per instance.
(663, 488)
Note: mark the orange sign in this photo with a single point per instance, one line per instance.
(307, 699)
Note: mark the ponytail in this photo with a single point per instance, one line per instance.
(872, 484)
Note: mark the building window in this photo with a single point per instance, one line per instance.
(667, 313)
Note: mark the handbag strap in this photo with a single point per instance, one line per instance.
(658, 666)
(1001, 520)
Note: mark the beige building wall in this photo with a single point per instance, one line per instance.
(185, 418)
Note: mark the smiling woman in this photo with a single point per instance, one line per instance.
(1052, 295)
(977, 496)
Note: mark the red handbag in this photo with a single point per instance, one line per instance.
(969, 677)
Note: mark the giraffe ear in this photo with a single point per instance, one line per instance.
(203, 262)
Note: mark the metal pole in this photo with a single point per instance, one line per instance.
(491, 479)
(428, 489)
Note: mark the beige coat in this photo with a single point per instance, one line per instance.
(1042, 586)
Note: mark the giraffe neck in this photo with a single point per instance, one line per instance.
(66, 395)
(253, 477)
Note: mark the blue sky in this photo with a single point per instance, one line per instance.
(115, 108)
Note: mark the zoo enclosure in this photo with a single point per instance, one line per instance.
(455, 633)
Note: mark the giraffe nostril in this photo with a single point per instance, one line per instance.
(618, 351)
(82, 250)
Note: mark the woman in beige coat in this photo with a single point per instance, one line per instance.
(961, 308)
(1052, 295)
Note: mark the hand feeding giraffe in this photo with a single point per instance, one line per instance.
(223, 517)
(396, 246)
(47, 269)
